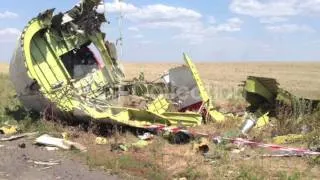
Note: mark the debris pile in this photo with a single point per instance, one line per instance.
(55, 71)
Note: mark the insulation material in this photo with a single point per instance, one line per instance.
(184, 86)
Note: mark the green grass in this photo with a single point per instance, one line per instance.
(126, 163)
(12, 111)
(7, 100)
(191, 173)
(251, 173)
(286, 176)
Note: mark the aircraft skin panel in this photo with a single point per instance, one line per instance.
(50, 59)
(45, 71)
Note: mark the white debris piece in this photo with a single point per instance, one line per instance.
(146, 136)
(47, 163)
(15, 137)
(58, 142)
(49, 148)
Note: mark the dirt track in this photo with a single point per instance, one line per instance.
(17, 163)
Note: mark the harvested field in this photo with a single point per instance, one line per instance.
(302, 79)
(4, 68)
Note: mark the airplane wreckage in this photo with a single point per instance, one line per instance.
(54, 66)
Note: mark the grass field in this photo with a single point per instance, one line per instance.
(162, 160)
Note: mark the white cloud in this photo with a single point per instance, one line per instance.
(9, 31)
(200, 33)
(9, 34)
(163, 13)
(273, 20)
(135, 29)
(8, 14)
(145, 42)
(272, 11)
(193, 39)
(116, 7)
(314, 42)
(289, 28)
(212, 20)
(152, 13)
(310, 6)
(187, 21)
(155, 15)
(138, 36)
(232, 25)
(267, 8)
(265, 47)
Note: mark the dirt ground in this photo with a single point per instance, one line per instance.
(17, 163)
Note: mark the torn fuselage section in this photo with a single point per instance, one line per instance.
(57, 55)
(63, 61)
(266, 98)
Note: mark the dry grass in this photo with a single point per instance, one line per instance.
(4, 68)
(162, 160)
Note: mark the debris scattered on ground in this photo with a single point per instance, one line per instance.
(265, 95)
(101, 141)
(22, 145)
(119, 147)
(263, 121)
(47, 163)
(146, 136)
(58, 142)
(237, 151)
(314, 145)
(47, 167)
(182, 178)
(290, 138)
(19, 136)
(238, 142)
(78, 85)
(9, 130)
(4, 174)
(249, 123)
(212, 156)
(51, 141)
(49, 148)
(140, 144)
(283, 155)
(301, 151)
(66, 135)
(123, 147)
(202, 145)
(217, 140)
(179, 137)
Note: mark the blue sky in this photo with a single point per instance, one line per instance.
(208, 30)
